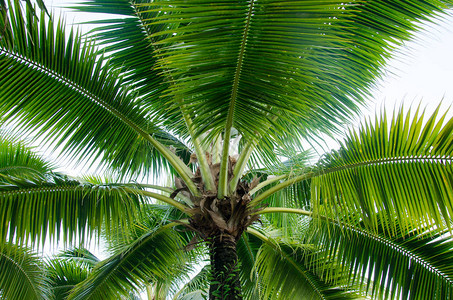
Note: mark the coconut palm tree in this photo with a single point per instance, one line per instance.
(221, 95)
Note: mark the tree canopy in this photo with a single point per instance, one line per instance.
(219, 97)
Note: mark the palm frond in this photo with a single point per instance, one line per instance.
(71, 267)
(61, 208)
(408, 265)
(247, 249)
(77, 99)
(197, 288)
(18, 160)
(151, 218)
(284, 270)
(21, 274)
(156, 255)
(295, 69)
(65, 274)
(380, 175)
(80, 255)
(124, 39)
(294, 195)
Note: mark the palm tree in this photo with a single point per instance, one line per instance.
(221, 95)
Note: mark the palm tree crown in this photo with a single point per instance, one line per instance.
(220, 96)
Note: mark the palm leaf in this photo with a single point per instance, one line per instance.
(21, 275)
(71, 267)
(155, 256)
(285, 272)
(61, 208)
(38, 203)
(197, 288)
(299, 64)
(125, 41)
(247, 249)
(78, 99)
(80, 255)
(16, 159)
(381, 175)
(408, 265)
(65, 274)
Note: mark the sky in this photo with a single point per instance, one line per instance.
(421, 70)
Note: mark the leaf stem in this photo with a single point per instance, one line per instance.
(269, 210)
(240, 165)
(208, 180)
(162, 198)
(266, 183)
(223, 175)
(279, 187)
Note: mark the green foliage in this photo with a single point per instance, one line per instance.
(284, 269)
(386, 172)
(106, 123)
(197, 288)
(21, 274)
(56, 206)
(155, 255)
(409, 264)
(179, 77)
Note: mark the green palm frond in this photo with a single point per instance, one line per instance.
(71, 267)
(21, 274)
(380, 175)
(408, 265)
(156, 255)
(151, 218)
(65, 274)
(124, 39)
(285, 272)
(37, 203)
(295, 195)
(80, 255)
(301, 62)
(197, 288)
(247, 249)
(76, 99)
(61, 207)
(30, 5)
(16, 159)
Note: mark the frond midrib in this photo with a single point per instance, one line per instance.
(395, 246)
(204, 167)
(316, 173)
(130, 251)
(387, 160)
(34, 190)
(223, 184)
(19, 168)
(75, 87)
(175, 161)
(36, 292)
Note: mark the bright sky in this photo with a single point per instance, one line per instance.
(421, 70)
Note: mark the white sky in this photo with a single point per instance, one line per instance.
(421, 70)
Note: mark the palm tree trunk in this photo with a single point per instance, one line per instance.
(225, 283)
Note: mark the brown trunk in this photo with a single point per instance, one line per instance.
(225, 283)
